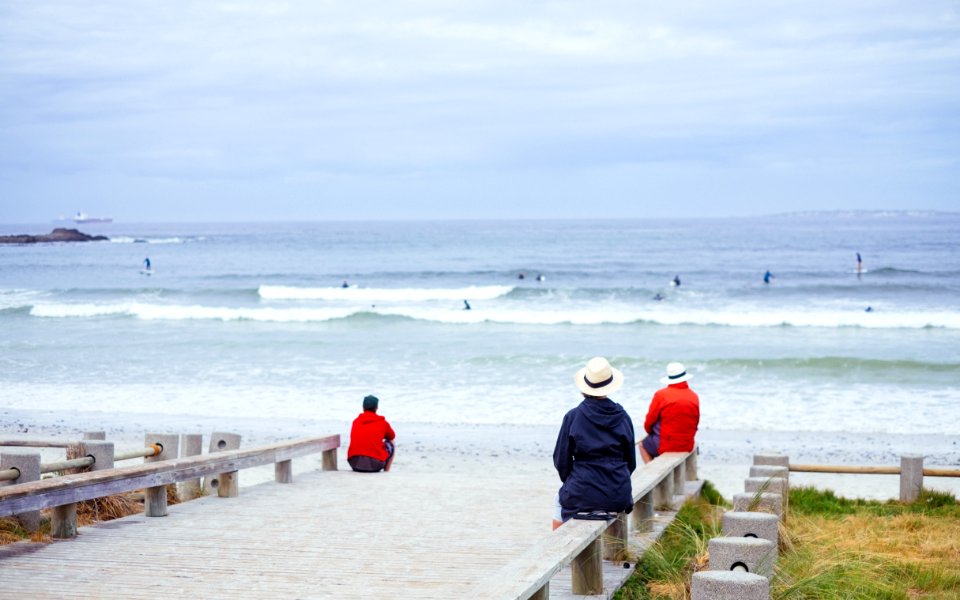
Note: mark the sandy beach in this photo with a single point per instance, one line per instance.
(526, 449)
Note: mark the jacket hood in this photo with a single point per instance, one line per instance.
(604, 413)
(368, 416)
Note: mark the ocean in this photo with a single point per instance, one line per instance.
(251, 320)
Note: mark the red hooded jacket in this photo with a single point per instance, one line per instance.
(678, 409)
(367, 435)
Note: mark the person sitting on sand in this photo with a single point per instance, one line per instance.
(371, 440)
(673, 417)
(595, 455)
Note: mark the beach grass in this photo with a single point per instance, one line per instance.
(831, 548)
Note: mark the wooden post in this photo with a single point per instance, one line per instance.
(155, 498)
(229, 486)
(643, 513)
(587, 570)
(28, 463)
(543, 593)
(911, 477)
(691, 466)
(616, 538)
(665, 491)
(191, 444)
(283, 471)
(219, 441)
(330, 460)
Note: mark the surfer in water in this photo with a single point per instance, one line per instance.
(345, 284)
(466, 305)
(767, 277)
(859, 265)
(676, 281)
(146, 264)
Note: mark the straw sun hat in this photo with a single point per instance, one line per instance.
(598, 378)
(675, 374)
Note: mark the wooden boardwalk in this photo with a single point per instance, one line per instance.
(334, 534)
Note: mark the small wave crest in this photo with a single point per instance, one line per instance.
(503, 315)
(280, 292)
(122, 239)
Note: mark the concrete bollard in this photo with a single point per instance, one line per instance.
(679, 478)
(28, 463)
(155, 498)
(767, 502)
(191, 444)
(777, 485)
(911, 477)
(764, 526)
(220, 441)
(729, 585)
(95, 435)
(768, 471)
(773, 460)
(753, 555)
(102, 453)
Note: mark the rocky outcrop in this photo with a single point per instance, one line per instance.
(57, 235)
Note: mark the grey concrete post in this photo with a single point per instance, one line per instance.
(777, 485)
(642, 514)
(155, 498)
(759, 502)
(28, 463)
(751, 524)
(911, 477)
(770, 471)
(94, 435)
(753, 555)
(102, 453)
(220, 441)
(774, 460)
(191, 444)
(729, 585)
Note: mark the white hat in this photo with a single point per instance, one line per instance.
(675, 374)
(598, 378)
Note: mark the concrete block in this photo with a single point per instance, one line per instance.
(102, 453)
(729, 585)
(28, 463)
(770, 471)
(775, 460)
(767, 502)
(911, 477)
(764, 526)
(742, 553)
(219, 442)
(777, 485)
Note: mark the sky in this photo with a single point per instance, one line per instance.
(165, 111)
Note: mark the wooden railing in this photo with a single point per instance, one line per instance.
(62, 493)
(584, 544)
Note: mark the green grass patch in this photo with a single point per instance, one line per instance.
(831, 548)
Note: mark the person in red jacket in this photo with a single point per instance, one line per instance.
(371, 440)
(674, 415)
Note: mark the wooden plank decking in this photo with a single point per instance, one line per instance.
(331, 534)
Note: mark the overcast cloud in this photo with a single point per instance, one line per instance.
(176, 111)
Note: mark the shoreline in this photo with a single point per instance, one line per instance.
(725, 455)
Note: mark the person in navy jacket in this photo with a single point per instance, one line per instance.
(595, 452)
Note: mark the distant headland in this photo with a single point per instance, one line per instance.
(59, 234)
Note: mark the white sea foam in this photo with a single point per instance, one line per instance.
(530, 315)
(280, 292)
(121, 239)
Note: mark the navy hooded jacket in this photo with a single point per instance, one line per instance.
(595, 455)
